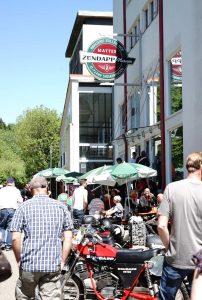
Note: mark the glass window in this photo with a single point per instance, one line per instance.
(175, 70)
(146, 17)
(152, 11)
(176, 141)
(135, 111)
(95, 118)
(154, 97)
(135, 34)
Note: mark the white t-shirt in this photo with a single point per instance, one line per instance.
(10, 197)
(80, 198)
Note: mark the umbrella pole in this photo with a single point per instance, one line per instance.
(128, 195)
(108, 196)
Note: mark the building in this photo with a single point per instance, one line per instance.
(86, 128)
(158, 102)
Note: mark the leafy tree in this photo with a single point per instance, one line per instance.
(2, 124)
(11, 163)
(176, 98)
(36, 130)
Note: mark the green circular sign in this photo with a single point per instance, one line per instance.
(106, 59)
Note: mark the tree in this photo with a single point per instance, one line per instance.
(11, 163)
(2, 124)
(36, 131)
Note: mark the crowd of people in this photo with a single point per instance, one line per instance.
(41, 227)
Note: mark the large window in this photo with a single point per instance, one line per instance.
(153, 89)
(175, 71)
(135, 32)
(135, 111)
(95, 112)
(75, 65)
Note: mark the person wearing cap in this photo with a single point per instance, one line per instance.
(10, 198)
(41, 256)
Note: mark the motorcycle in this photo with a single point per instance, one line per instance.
(95, 270)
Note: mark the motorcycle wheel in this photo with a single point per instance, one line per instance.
(73, 289)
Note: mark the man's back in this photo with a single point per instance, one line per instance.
(79, 196)
(182, 204)
(43, 220)
(10, 197)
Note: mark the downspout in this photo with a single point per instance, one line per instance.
(162, 107)
(125, 83)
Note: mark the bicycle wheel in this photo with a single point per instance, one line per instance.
(73, 289)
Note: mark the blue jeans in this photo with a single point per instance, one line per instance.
(78, 214)
(171, 280)
(6, 216)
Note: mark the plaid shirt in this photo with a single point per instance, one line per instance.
(43, 220)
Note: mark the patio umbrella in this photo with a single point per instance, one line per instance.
(65, 179)
(52, 172)
(131, 171)
(119, 173)
(101, 175)
(74, 174)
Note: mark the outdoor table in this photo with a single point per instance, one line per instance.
(153, 211)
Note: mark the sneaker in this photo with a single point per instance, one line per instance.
(2, 247)
(8, 248)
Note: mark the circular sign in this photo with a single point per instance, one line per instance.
(108, 59)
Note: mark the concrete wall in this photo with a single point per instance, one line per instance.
(182, 26)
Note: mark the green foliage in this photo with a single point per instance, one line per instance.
(2, 124)
(11, 163)
(177, 147)
(176, 98)
(35, 131)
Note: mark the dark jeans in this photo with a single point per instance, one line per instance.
(6, 216)
(78, 214)
(171, 280)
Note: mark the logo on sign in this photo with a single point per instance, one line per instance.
(106, 59)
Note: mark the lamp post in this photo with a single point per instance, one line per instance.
(51, 155)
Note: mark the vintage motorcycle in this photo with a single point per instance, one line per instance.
(95, 270)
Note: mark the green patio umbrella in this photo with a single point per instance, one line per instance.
(131, 171)
(52, 172)
(119, 173)
(100, 175)
(68, 179)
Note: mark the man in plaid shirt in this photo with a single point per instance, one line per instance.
(41, 257)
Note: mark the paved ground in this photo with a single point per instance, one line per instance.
(7, 287)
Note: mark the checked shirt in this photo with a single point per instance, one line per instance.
(43, 221)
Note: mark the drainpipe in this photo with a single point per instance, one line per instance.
(125, 84)
(162, 108)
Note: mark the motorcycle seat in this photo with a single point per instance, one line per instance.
(135, 256)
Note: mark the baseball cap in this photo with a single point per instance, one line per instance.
(38, 182)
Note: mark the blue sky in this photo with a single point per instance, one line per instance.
(33, 39)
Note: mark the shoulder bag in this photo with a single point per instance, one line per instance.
(5, 267)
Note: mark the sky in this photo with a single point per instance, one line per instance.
(33, 38)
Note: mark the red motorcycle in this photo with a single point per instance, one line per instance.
(95, 270)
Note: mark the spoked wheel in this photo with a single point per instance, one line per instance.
(73, 289)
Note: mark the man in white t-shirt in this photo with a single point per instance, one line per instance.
(80, 201)
(10, 198)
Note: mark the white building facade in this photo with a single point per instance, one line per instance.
(139, 103)
(86, 128)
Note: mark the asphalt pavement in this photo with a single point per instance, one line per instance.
(7, 287)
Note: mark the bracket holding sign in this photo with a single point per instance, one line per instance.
(106, 59)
